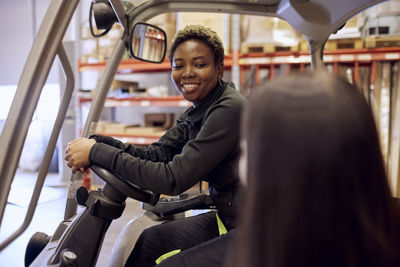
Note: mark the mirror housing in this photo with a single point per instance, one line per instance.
(102, 15)
(147, 43)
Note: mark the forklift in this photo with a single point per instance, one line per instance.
(78, 238)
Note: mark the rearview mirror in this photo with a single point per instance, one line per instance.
(101, 17)
(147, 43)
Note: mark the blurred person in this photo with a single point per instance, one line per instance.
(316, 190)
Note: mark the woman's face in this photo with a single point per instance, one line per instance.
(193, 70)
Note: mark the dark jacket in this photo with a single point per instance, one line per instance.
(203, 145)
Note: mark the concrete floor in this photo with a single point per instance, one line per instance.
(48, 215)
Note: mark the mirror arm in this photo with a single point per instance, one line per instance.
(120, 13)
(316, 48)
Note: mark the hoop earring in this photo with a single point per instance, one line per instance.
(220, 82)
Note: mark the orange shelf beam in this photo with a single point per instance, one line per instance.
(168, 101)
(134, 65)
(364, 55)
(283, 57)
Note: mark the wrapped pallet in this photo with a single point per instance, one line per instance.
(267, 35)
(218, 22)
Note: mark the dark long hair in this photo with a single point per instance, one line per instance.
(317, 193)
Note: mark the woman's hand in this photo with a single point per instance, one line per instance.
(77, 153)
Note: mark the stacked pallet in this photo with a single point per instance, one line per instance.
(382, 41)
(267, 35)
(247, 48)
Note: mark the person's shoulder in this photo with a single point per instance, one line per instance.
(232, 97)
(184, 115)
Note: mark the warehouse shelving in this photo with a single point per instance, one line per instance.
(142, 102)
(299, 59)
(294, 61)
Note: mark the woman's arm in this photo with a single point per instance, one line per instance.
(216, 140)
(171, 143)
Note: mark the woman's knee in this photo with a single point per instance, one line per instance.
(147, 237)
(145, 251)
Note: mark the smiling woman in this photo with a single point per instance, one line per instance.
(197, 58)
(194, 71)
(202, 146)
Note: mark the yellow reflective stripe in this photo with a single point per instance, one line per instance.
(221, 226)
(167, 255)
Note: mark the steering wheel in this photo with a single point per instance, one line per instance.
(126, 187)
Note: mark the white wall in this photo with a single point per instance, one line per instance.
(16, 38)
(19, 22)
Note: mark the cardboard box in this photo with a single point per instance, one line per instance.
(144, 131)
(115, 128)
(163, 120)
(124, 85)
(109, 128)
(382, 41)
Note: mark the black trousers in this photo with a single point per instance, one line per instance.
(197, 237)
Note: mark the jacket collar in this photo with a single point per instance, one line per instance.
(196, 114)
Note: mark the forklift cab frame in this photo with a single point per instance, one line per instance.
(316, 20)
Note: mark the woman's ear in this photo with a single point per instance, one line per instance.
(220, 71)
